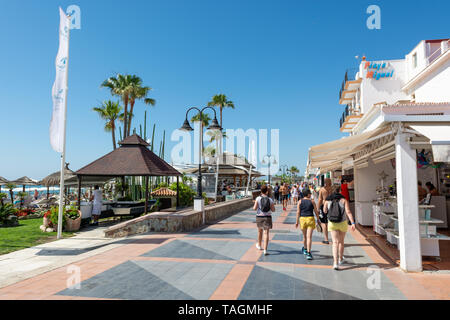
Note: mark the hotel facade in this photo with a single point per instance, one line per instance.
(397, 115)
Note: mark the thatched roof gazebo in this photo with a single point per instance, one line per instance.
(25, 181)
(3, 181)
(132, 158)
(54, 178)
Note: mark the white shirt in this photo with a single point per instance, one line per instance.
(259, 212)
(98, 197)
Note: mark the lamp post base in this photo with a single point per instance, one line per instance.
(199, 205)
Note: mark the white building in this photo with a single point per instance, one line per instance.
(393, 108)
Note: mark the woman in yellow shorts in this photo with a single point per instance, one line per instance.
(306, 208)
(338, 229)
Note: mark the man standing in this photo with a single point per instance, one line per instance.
(324, 192)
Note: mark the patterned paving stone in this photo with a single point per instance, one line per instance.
(266, 284)
(297, 237)
(165, 280)
(200, 249)
(225, 233)
(291, 253)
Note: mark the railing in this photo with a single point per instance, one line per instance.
(437, 53)
(346, 78)
(348, 111)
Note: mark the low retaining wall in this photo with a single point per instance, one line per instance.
(181, 221)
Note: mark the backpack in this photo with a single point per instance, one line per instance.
(265, 204)
(336, 212)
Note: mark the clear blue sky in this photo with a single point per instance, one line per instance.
(281, 62)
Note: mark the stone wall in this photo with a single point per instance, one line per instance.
(181, 221)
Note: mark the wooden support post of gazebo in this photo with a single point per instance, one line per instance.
(178, 192)
(146, 195)
(79, 192)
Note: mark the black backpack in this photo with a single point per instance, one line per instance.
(265, 204)
(336, 212)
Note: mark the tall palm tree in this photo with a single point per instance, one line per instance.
(138, 92)
(221, 101)
(120, 86)
(109, 111)
(205, 119)
(205, 122)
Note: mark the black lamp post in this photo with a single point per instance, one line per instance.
(187, 127)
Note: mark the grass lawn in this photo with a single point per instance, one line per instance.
(26, 235)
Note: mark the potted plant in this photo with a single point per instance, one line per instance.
(73, 220)
(47, 219)
(54, 212)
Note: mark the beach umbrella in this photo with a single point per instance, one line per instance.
(25, 181)
(53, 179)
(3, 181)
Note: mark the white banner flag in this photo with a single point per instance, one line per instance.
(59, 90)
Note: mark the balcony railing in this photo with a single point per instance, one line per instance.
(349, 117)
(346, 78)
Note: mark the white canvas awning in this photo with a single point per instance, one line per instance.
(330, 155)
(439, 135)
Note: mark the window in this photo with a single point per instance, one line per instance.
(414, 60)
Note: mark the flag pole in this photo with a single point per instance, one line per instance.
(63, 154)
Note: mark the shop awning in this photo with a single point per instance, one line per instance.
(330, 155)
(439, 135)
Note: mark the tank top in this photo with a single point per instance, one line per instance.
(306, 208)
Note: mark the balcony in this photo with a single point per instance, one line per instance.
(349, 87)
(349, 119)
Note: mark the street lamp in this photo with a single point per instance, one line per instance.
(187, 127)
(269, 157)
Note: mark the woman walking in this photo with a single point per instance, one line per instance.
(338, 211)
(264, 207)
(306, 209)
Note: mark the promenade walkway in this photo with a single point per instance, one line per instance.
(219, 261)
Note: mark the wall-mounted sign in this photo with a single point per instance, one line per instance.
(378, 70)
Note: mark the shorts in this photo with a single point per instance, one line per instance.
(264, 222)
(284, 197)
(338, 226)
(307, 223)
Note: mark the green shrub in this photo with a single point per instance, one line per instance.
(6, 211)
(186, 194)
(72, 213)
(54, 211)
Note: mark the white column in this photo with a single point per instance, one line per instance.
(407, 201)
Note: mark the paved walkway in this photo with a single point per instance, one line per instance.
(216, 262)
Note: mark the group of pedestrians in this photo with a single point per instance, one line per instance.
(332, 213)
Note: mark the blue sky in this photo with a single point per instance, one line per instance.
(281, 62)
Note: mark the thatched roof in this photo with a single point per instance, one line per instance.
(224, 170)
(53, 179)
(25, 181)
(164, 192)
(132, 158)
(3, 181)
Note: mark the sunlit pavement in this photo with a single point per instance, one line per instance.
(222, 262)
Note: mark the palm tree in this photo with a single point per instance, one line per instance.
(205, 119)
(221, 101)
(10, 187)
(109, 111)
(137, 92)
(294, 170)
(120, 86)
